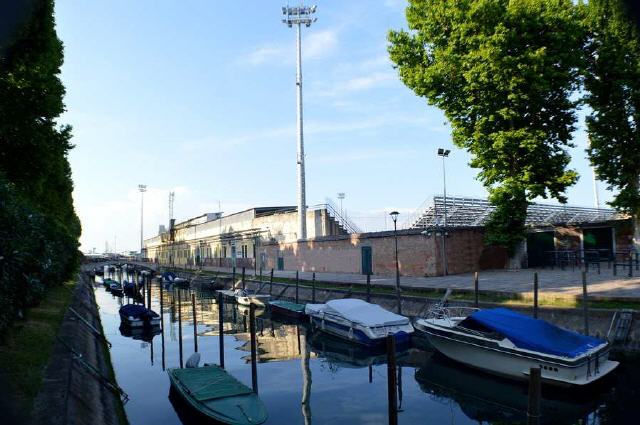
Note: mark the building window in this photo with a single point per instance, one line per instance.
(244, 251)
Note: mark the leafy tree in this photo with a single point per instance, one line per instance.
(33, 147)
(612, 81)
(503, 72)
(39, 229)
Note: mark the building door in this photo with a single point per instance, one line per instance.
(367, 265)
(280, 263)
(538, 246)
(600, 239)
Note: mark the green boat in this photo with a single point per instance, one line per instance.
(216, 394)
(288, 309)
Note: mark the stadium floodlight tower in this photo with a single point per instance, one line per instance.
(142, 188)
(300, 15)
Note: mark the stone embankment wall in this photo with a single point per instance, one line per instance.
(568, 318)
(71, 393)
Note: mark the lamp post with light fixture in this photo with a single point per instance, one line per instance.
(394, 217)
(298, 15)
(444, 153)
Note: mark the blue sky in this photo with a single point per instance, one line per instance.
(199, 97)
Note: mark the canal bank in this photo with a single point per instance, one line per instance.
(305, 376)
(621, 326)
(78, 384)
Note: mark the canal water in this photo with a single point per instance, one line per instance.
(306, 377)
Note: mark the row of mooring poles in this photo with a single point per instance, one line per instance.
(536, 290)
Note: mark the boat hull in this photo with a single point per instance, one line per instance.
(257, 300)
(245, 408)
(514, 365)
(356, 334)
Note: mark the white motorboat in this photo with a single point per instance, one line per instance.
(506, 343)
(359, 321)
(244, 297)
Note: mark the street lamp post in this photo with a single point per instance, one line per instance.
(394, 217)
(444, 153)
(142, 188)
(299, 15)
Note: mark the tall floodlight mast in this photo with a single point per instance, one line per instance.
(142, 188)
(300, 15)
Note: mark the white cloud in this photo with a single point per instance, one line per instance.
(315, 45)
(266, 54)
(320, 44)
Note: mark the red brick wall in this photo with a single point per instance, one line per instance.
(418, 255)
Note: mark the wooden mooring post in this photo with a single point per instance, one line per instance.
(271, 282)
(162, 324)
(476, 289)
(585, 303)
(195, 322)
(535, 295)
(180, 328)
(391, 380)
(221, 328)
(233, 276)
(533, 406)
(297, 286)
(148, 285)
(254, 367)
(243, 276)
(368, 287)
(313, 287)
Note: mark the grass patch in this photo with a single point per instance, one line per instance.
(25, 350)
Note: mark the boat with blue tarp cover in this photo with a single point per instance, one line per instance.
(135, 315)
(508, 343)
(359, 321)
(216, 394)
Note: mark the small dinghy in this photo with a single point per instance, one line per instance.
(506, 343)
(136, 316)
(287, 309)
(181, 282)
(116, 289)
(214, 393)
(168, 277)
(244, 297)
(359, 321)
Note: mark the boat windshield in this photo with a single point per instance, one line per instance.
(468, 324)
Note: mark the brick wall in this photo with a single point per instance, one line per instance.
(418, 255)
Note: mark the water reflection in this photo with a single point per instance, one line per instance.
(310, 377)
(486, 398)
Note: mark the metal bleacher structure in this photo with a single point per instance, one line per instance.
(472, 212)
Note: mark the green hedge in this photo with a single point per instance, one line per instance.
(36, 252)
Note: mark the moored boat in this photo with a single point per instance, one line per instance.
(287, 309)
(359, 321)
(116, 289)
(244, 297)
(135, 316)
(216, 394)
(506, 343)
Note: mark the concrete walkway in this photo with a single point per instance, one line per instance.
(552, 283)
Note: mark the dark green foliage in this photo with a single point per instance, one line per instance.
(503, 72)
(39, 229)
(613, 84)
